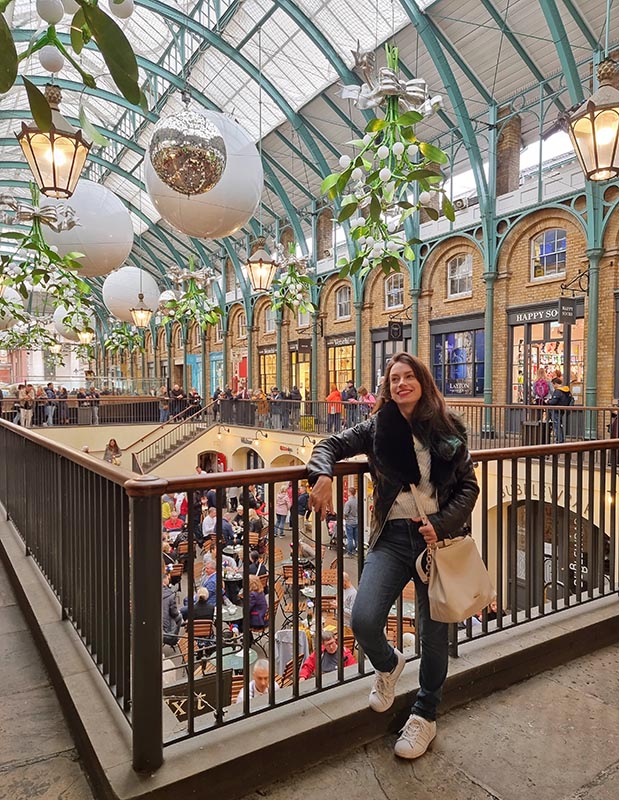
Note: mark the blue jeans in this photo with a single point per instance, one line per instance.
(279, 524)
(164, 415)
(556, 417)
(49, 415)
(351, 537)
(387, 570)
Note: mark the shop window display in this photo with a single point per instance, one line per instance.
(458, 363)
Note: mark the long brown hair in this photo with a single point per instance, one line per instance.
(430, 415)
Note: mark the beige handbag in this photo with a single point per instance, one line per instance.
(458, 582)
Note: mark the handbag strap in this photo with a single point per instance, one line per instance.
(424, 574)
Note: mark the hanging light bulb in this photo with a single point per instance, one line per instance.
(55, 349)
(140, 314)
(594, 127)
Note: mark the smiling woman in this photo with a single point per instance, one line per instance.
(411, 440)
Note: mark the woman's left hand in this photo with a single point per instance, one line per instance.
(426, 529)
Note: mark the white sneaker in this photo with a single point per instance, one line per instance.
(383, 691)
(415, 737)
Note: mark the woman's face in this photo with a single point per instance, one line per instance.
(404, 387)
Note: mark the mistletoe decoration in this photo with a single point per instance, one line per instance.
(374, 186)
(35, 263)
(291, 288)
(191, 303)
(28, 334)
(88, 24)
(125, 337)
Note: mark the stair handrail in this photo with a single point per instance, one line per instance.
(173, 432)
(163, 426)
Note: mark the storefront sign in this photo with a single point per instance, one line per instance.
(268, 350)
(341, 341)
(567, 310)
(396, 331)
(300, 346)
(458, 387)
(245, 440)
(285, 449)
(537, 315)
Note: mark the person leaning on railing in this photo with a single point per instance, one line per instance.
(412, 438)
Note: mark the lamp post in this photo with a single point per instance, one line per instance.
(594, 127)
(55, 157)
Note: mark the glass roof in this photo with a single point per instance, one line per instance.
(277, 67)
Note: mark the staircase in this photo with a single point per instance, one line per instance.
(178, 434)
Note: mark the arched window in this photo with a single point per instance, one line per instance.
(219, 330)
(460, 276)
(342, 303)
(548, 254)
(394, 291)
(269, 320)
(242, 329)
(303, 319)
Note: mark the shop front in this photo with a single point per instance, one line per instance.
(538, 338)
(267, 367)
(458, 354)
(340, 360)
(216, 372)
(301, 366)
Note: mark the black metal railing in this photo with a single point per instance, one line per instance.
(176, 433)
(546, 523)
(489, 426)
(72, 513)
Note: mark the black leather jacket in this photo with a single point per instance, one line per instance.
(385, 438)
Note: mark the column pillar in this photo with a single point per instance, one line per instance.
(359, 334)
(508, 154)
(278, 353)
(414, 295)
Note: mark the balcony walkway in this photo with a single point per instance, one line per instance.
(553, 737)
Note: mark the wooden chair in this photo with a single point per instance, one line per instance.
(290, 670)
(408, 592)
(237, 685)
(288, 573)
(328, 577)
(254, 539)
(176, 573)
(392, 627)
(264, 580)
(183, 549)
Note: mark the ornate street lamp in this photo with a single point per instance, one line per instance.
(55, 349)
(55, 157)
(594, 127)
(261, 269)
(140, 314)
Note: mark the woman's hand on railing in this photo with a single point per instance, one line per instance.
(321, 498)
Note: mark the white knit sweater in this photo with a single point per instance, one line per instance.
(405, 506)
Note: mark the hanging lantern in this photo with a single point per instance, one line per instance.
(56, 157)
(140, 314)
(55, 349)
(261, 268)
(594, 127)
(86, 336)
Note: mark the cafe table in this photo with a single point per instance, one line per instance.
(408, 609)
(327, 591)
(232, 658)
(233, 550)
(231, 613)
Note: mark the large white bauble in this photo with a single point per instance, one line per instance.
(228, 205)
(52, 11)
(70, 6)
(105, 232)
(51, 59)
(121, 10)
(68, 333)
(121, 289)
(10, 294)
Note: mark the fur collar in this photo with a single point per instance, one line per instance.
(395, 452)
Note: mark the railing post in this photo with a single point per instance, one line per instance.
(146, 622)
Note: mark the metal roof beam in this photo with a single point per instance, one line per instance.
(521, 50)
(250, 69)
(267, 157)
(578, 18)
(564, 50)
(422, 25)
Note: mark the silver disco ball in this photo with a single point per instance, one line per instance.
(188, 152)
